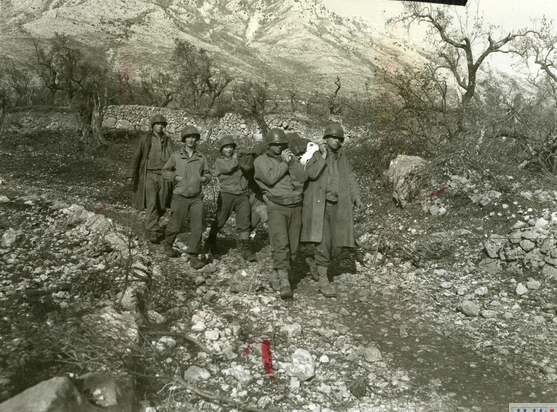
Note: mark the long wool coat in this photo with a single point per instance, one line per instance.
(313, 212)
(138, 168)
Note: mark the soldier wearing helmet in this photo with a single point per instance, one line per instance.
(233, 171)
(328, 220)
(281, 177)
(189, 170)
(150, 190)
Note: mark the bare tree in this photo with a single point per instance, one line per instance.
(201, 79)
(462, 45)
(335, 108)
(255, 100)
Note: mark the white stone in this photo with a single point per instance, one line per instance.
(198, 326)
(292, 331)
(195, 373)
(302, 366)
(521, 289)
(372, 354)
(212, 334)
(324, 359)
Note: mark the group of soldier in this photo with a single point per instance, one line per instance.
(303, 190)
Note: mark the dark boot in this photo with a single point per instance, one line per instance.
(325, 287)
(285, 290)
(312, 268)
(274, 280)
(195, 262)
(169, 251)
(245, 251)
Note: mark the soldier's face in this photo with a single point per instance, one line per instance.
(334, 143)
(191, 141)
(277, 148)
(157, 127)
(228, 150)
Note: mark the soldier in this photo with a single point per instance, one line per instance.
(232, 170)
(281, 176)
(189, 169)
(327, 213)
(150, 190)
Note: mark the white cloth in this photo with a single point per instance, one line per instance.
(310, 150)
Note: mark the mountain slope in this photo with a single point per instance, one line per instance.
(296, 42)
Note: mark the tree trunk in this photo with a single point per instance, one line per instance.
(96, 124)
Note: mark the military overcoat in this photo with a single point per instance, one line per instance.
(138, 169)
(313, 212)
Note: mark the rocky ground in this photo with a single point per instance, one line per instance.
(434, 312)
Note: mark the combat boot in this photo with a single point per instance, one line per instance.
(169, 251)
(312, 268)
(245, 251)
(285, 290)
(325, 287)
(274, 280)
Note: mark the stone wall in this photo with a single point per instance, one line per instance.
(137, 118)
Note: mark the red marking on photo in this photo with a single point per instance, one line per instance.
(436, 193)
(267, 358)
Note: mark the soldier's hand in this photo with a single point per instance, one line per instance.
(360, 205)
(203, 179)
(266, 199)
(178, 178)
(129, 180)
(287, 155)
(323, 150)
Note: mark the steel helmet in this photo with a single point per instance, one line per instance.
(276, 136)
(189, 130)
(158, 118)
(334, 130)
(226, 140)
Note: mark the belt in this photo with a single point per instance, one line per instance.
(157, 172)
(285, 201)
(331, 202)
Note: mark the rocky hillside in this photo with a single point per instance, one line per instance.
(288, 42)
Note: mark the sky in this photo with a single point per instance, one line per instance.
(509, 14)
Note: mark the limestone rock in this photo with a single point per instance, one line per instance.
(521, 289)
(533, 285)
(358, 387)
(302, 366)
(292, 331)
(372, 354)
(469, 308)
(58, 394)
(404, 174)
(494, 244)
(527, 245)
(113, 395)
(12, 237)
(195, 373)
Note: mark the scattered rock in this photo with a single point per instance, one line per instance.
(111, 394)
(358, 387)
(12, 237)
(302, 365)
(195, 373)
(533, 284)
(292, 331)
(469, 308)
(404, 174)
(521, 289)
(486, 313)
(54, 395)
(372, 354)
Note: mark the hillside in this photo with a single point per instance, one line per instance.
(288, 42)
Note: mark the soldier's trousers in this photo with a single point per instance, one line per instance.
(285, 225)
(226, 204)
(324, 251)
(157, 193)
(183, 207)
